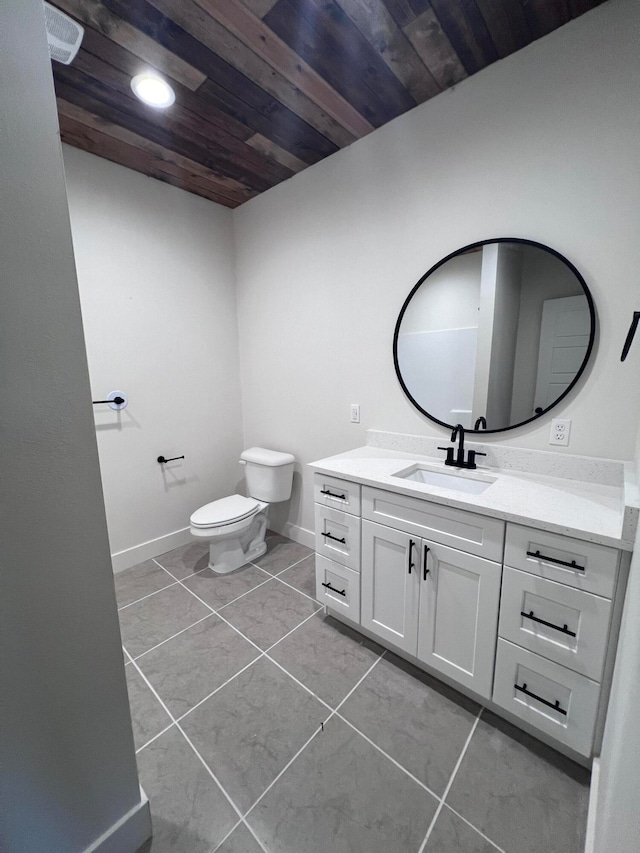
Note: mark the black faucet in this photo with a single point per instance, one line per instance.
(481, 422)
(460, 461)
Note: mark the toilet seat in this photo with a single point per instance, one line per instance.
(225, 511)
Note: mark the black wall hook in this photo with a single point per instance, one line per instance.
(162, 460)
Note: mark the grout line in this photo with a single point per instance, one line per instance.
(299, 683)
(248, 592)
(200, 758)
(127, 654)
(177, 634)
(359, 682)
(302, 748)
(450, 782)
(468, 822)
(386, 755)
(288, 634)
(143, 597)
(275, 575)
(155, 737)
(287, 765)
(284, 583)
(224, 684)
(231, 831)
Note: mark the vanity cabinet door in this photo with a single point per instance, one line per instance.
(390, 582)
(459, 601)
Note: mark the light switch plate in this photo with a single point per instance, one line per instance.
(355, 413)
(560, 431)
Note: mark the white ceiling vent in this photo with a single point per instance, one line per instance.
(63, 34)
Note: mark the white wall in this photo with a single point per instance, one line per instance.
(156, 276)
(542, 145)
(67, 763)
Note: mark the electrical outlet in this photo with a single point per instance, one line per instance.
(560, 431)
(355, 413)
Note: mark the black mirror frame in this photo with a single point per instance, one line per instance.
(592, 335)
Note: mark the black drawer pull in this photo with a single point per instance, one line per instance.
(335, 538)
(331, 495)
(555, 705)
(425, 570)
(412, 545)
(333, 589)
(564, 630)
(571, 565)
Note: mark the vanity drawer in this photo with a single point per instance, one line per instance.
(338, 536)
(338, 587)
(550, 555)
(566, 625)
(572, 722)
(466, 531)
(339, 494)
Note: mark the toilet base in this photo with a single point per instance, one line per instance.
(228, 553)
(233, 557)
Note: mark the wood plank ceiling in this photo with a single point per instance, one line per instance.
(265, 88)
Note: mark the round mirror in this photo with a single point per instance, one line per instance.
(494, 335)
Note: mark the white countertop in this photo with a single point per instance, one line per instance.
(591, 511)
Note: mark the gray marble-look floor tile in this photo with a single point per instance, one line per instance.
(138, 581)
(153, 620)
(521, 794)
(189, 812)
(342, 795)
(240, 841)
(218, 590)
(148, 717)
(252, 727)
(416, 719)
(453, 835)
(281, 553)
(269, 612)
(302, 576)
(186, 560)
(326, 656)
(190, 666)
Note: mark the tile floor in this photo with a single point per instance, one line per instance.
(262, 725)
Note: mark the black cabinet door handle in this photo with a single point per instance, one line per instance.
(630, 335)
(412, 545)
(331, 495)
(564, 630)
(425, 570)
(555, 705)
(335, 538)
(572, 565)
(333, 589)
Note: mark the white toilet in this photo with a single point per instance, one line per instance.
(235, 526)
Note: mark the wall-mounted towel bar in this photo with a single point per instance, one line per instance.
(116, 400)
(630, 334)
(162, 460)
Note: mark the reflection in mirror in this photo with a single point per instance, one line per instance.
(499, 331)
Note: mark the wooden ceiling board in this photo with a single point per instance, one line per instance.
(241, 95)
(379, 27)
(259, 40)
(265, 88)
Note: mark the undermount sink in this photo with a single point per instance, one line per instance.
(468, 482)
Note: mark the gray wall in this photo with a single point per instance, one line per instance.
(67, 764)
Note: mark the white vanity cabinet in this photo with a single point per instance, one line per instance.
(520, 617)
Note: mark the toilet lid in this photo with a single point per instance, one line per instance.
(224, 511)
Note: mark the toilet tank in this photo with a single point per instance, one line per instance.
(269, 474)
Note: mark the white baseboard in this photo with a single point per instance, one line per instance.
(590, 842)
(122, 560)
(299, 534)
(129, 833)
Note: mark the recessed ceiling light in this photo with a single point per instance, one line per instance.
(153, 90)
